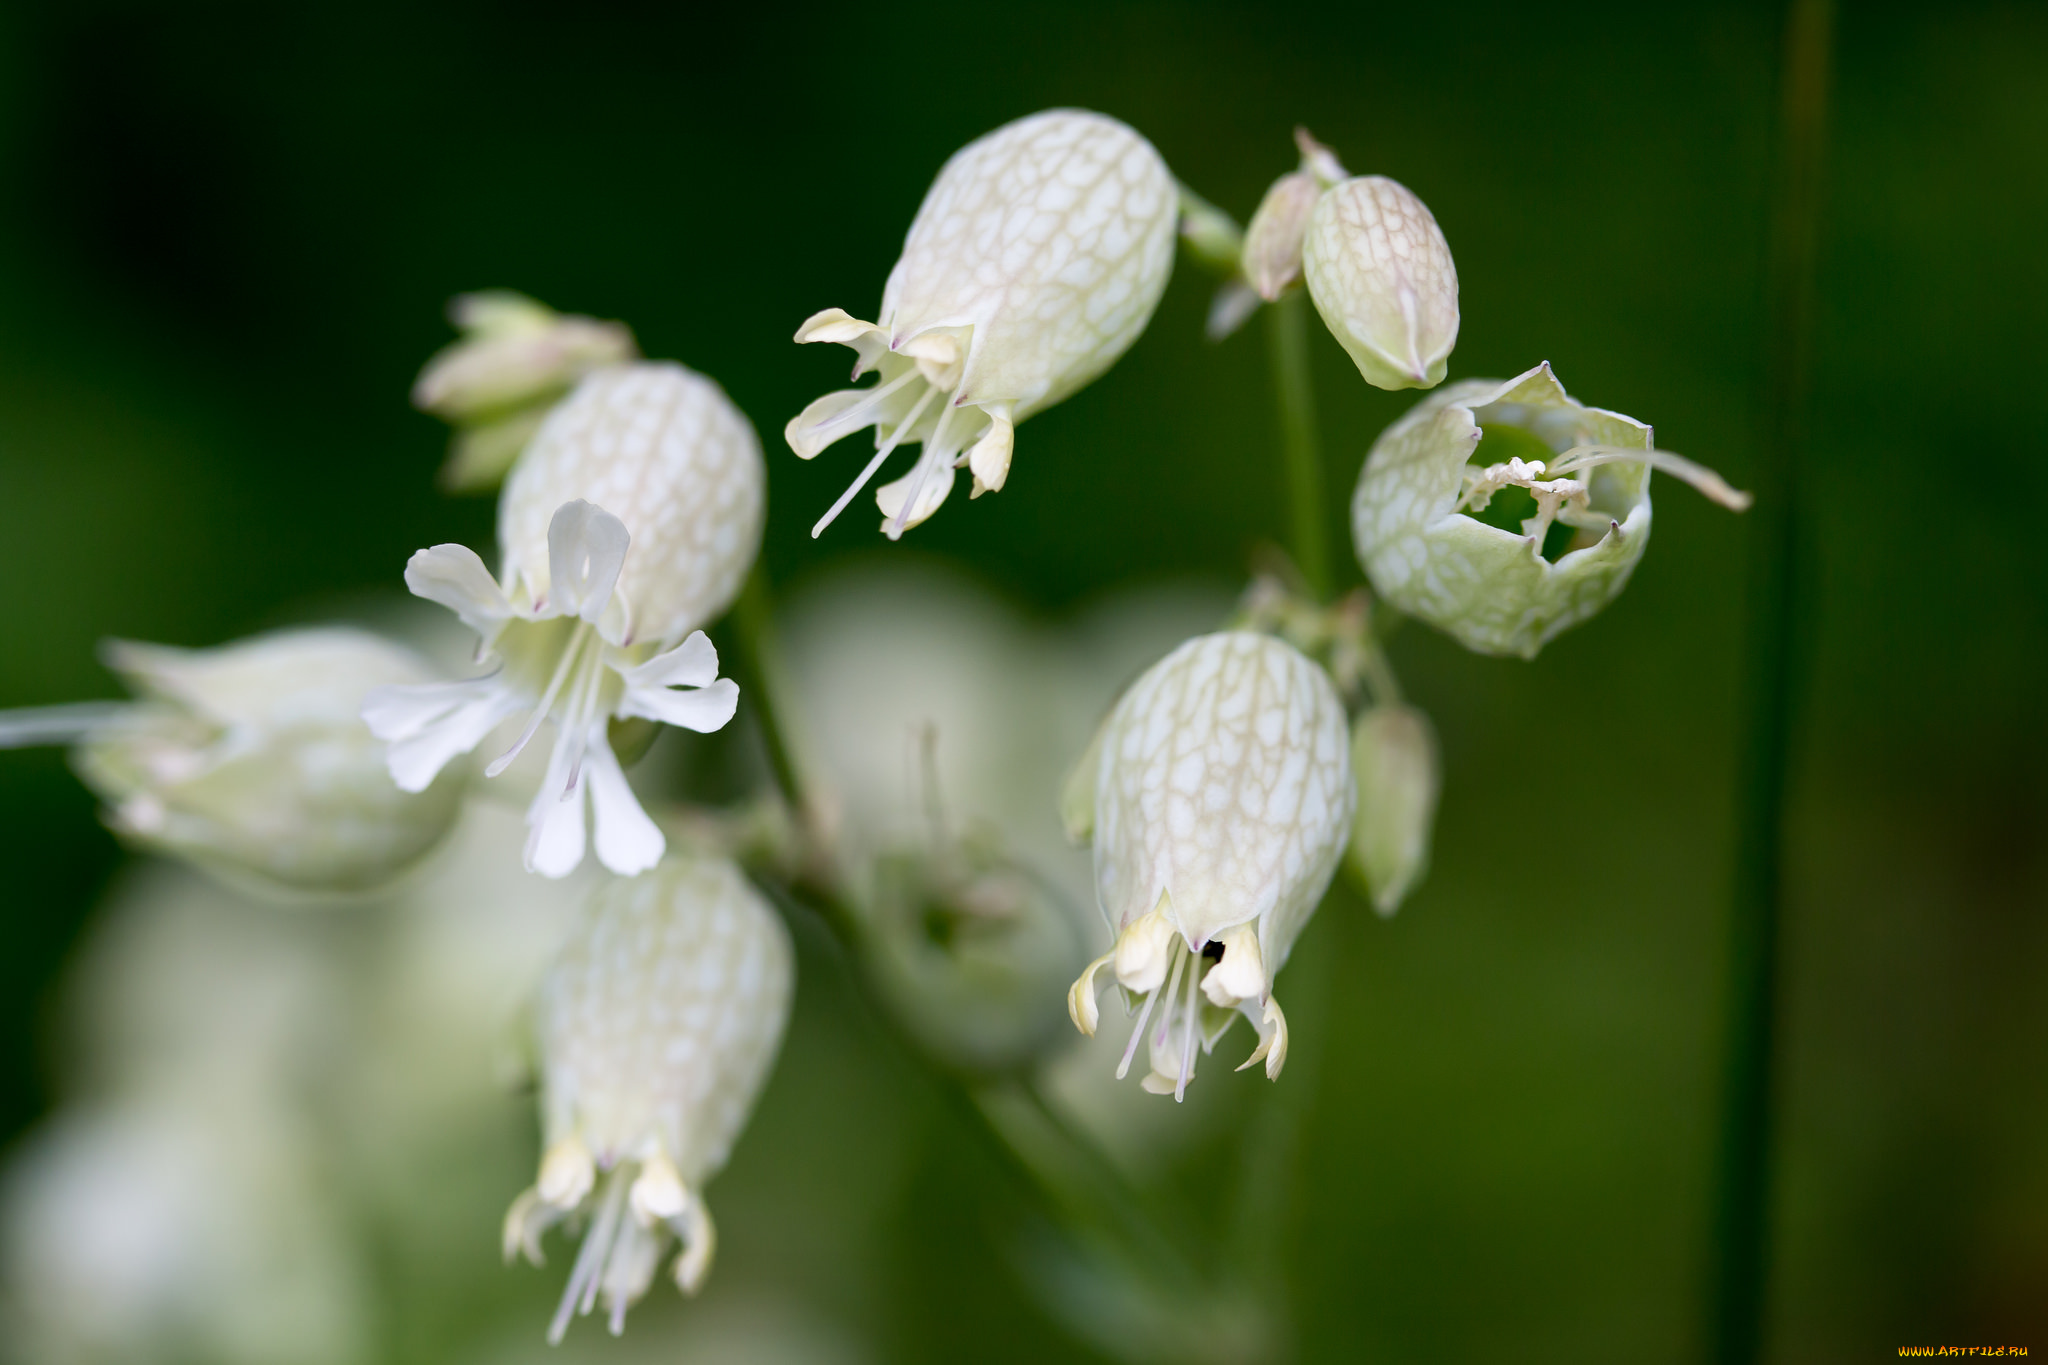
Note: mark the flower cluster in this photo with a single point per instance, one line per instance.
(1219, 795)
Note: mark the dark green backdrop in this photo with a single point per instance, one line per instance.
(228, 231)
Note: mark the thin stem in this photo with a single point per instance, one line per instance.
(1287, 335)
(759, 672)
(1741, 1212)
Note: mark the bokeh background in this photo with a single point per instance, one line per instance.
(227, 233)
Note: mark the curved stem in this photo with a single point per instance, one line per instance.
(1741, 1221)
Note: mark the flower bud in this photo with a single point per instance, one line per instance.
(1272, 243)
(1381, 276)
(252, 760)
(657, 1027)
(1223, 797)
(1393, 756)
(517, 358)
(1583, 473)
(1035, 261)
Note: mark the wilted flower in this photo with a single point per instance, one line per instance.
(1582, 469)
(1035, 260)
(1380, 273)
(657, 1026)
(584, 631)
(517, 358)
(252, 758)
(1393, 755)
(1221, 798)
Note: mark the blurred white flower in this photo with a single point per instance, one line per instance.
(1496, 591)
(1035, 261)
(516, 359)
(180, 1208)
(1218, 795)
(173, 1229)
(925, 718)
(630, 521)
(252, 759)
(657, 1026)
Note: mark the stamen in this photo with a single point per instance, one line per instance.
(580, 1293)
(546, 704)
(1123, 1068)
(1705, 480)
(1180, 961)
(867, 404)
(1187, 1046)
(888, 447)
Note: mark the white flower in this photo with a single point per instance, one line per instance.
(1035, 261)
(657, 1027)
(590, 622)
(1494, 590)
(1381, 275)
(1222, 796)
(1393, 752)
(252, 758)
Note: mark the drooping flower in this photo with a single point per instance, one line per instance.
(1414, 516)
(1222, 795)
(1035, 261)
(596, 616)
(1393, 753)
(657, 1026)
(252, 759)
(1381, 275)
(516, 359)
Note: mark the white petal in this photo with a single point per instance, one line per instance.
(418, 758)
(453, 576)
(930, 485)
(693, 663)
(703, 710)
(400, 712)
(554, 822)
(627, 841)
(586, 550)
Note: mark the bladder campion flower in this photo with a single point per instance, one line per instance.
(252, 759)
(657, 1026)
(1219, 794)
(1035, 261)
(597, 614)
(1498, 592)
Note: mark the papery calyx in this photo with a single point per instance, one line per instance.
(1223, 796)
(657, 1027)
(1035, 261)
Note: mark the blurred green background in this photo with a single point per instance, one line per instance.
(227, 233)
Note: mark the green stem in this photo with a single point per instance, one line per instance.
(1287, 336)
(1741, 1213)
(759, 671)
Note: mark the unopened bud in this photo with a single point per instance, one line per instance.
(1381, 275)
(517, 358)
(1393, 756)
(1272, 244)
